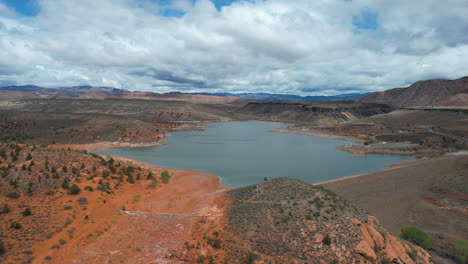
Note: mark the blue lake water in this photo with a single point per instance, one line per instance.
(242, 153)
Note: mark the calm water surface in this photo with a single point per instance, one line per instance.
(242, 153)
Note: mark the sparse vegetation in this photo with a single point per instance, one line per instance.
(417, 236)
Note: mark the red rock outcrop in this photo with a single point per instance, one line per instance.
(378, 244)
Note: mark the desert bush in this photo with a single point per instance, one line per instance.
(2, 248)
(251, 257)
(417, 236)
(130, 179)
(12, 195)
(124, 208)
(136, 197)
(66, 183)
(15, 225)
(200, 259)
(154, 183)
(67, 207)
(105, 174)
(461, 248)
(74, 190)
(165, 176)
(5, 209)
(50, 193)
(327, 240)
(88, 188)
(26, 212)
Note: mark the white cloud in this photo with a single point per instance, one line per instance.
(280, 46)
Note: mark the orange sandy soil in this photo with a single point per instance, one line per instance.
(113, 236)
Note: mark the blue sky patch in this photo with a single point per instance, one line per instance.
(23, 7)
(367, 19)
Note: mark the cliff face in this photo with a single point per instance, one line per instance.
(289, 221)
(314, 112)
(424, 93)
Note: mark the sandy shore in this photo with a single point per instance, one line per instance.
(109, 145)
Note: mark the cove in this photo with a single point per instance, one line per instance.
(242, 153)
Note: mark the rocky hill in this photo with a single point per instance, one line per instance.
(316, 112)
(437, 92)
(289, 221)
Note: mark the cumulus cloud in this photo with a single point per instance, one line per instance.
(277, 46)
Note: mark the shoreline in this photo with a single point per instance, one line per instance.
(315, 133)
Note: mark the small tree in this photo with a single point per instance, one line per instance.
(28, 157)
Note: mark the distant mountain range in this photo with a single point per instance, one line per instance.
(33, 91)
(268, 96)
(436, 92)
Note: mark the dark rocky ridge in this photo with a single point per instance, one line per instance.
(314, 111)
(437, 92)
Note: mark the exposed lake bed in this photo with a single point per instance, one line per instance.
(241, 153)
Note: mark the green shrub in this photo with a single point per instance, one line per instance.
(26, 212)
(417, 236)
(251, 257)
(88, 188)
(165, 176)
(327, 240)
(74, 190)
(461, 248)
(124, 208)
(105, 174)
(66, 183)
(154, 183)
(136, 197)
(15, 225)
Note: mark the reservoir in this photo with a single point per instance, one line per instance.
(243, 153)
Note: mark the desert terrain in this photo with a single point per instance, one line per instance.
(85, 208)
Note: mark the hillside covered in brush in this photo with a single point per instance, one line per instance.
(289, 221)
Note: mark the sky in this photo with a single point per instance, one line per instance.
(304, 47)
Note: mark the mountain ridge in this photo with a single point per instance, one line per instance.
(434, 92)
